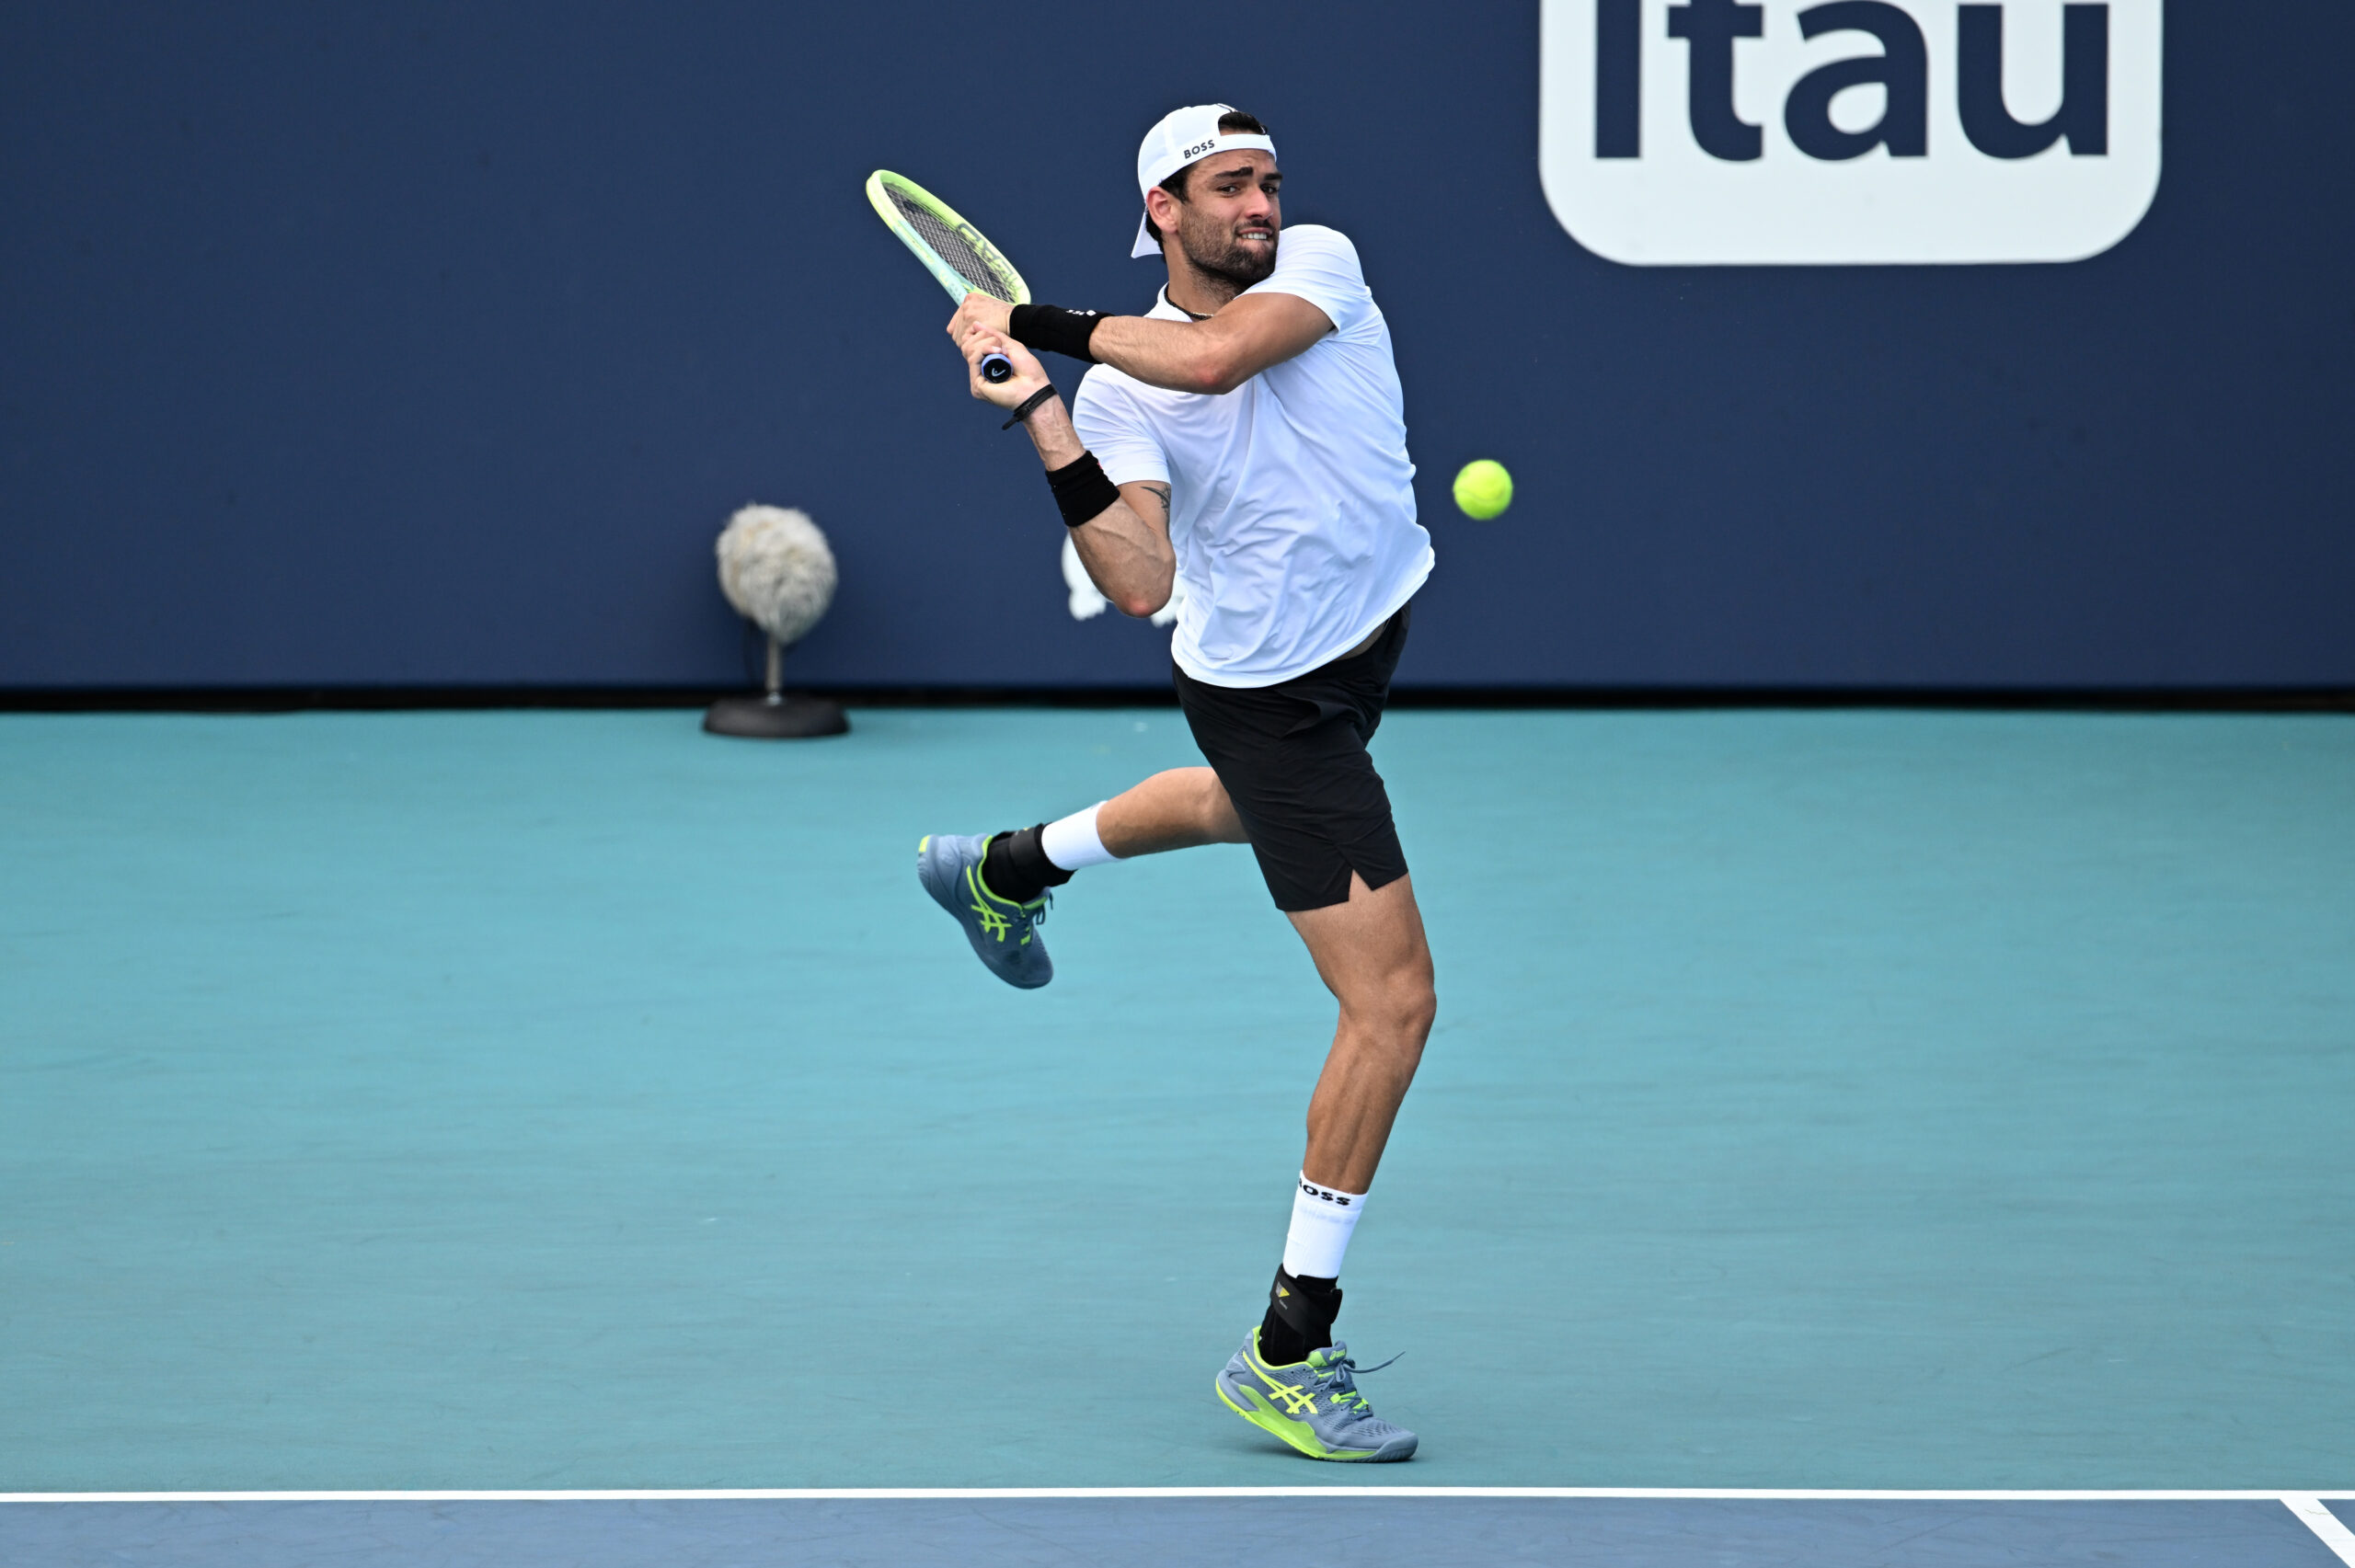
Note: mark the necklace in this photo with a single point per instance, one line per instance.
(1173, 305)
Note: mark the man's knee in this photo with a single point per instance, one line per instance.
(1404, 1007)
(1417, 1006)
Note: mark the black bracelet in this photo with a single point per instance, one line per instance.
(1082, 492)
(1030, 406)
(1054, 328)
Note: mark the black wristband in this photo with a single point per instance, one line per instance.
(1082, 492)
(1054, 329)
(1030, 406)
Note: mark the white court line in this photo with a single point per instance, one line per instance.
(2324, 1523)
(2298, 1503)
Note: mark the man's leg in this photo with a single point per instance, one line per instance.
(1372, 956)
(1176, 810)
(1290, 1378)
(1172, 810)
(1371, 953)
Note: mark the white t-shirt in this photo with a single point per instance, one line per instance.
(1292, 498)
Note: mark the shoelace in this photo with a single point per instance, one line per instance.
(1037, 913)
(1343, 1375)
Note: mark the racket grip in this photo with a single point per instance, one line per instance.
(996, 368)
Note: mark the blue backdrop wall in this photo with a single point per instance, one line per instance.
(433, 343)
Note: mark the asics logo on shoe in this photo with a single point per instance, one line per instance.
(1297, 1399)
(992, 922)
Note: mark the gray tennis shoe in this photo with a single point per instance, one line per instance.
(1005, 935)
(1313, 1404)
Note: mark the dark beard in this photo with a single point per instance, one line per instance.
(1231, 263)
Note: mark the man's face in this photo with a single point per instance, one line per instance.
(1227, 226)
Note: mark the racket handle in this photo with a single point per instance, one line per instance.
(996, 368)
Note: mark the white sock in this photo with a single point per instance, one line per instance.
(1322, 1219)
(1073, 844)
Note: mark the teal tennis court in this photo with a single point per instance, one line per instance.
(541, 1104)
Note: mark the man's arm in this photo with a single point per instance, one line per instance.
(1252, 332)
(1124, 547)
(1214, 355)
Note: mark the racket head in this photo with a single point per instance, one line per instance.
(951, 250)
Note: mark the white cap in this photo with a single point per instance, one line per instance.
(1182, 137)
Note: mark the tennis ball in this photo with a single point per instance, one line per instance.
(1484, 488)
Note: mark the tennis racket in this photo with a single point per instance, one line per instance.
(951, 250)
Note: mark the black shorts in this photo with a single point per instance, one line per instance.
(1293, 761)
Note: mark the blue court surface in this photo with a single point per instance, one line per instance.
(439, 1117)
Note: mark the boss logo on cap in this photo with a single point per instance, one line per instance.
(1680, 131)
(1198, 149)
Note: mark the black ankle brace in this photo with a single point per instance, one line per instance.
(1016, 868)
(1300, 1310)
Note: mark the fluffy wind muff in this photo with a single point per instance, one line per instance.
(775, 570)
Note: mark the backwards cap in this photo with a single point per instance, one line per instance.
(1185, 136)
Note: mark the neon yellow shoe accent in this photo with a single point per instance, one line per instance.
(1298, 1434)
(1277, 1405)
(992, 922)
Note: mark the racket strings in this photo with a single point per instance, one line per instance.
(954, 247)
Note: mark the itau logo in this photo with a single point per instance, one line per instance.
(1680, 131)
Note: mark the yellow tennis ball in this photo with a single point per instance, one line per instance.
(1484, 488)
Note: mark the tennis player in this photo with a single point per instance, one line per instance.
(1245, 435)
